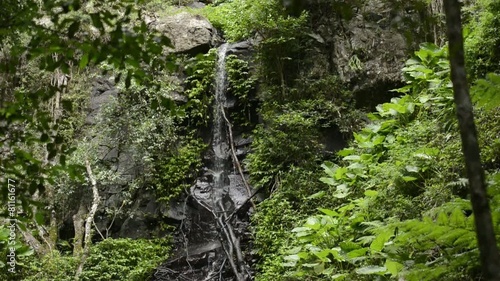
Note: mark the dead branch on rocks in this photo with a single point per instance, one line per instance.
(230, 243)
(235, 157)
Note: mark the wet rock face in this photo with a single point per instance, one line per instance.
(191, 34)
(212, 241)
(141, 219)
(364, 42)
(103, 91)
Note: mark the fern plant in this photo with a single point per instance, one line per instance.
(396, 213)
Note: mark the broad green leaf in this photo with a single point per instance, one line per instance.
(39, 218)
(371, 270)
(313, 223)
(328, 212)
(357, 253)
(348, 246)
(25, 251)
(319, 194)
(352, 158)
(318, 269)
(310, 264)
(339, 276)
(408, 179)
(294, 250)
(378, 140)
(340, 172)
(393, 267)
(84, 61)
(411, 168)
(301, 229)
(329, 181)
(371, 193)
(336, 254)
(346, 152)
(380, 240)
(292, 258)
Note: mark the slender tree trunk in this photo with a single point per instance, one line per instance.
(88, 221)
(488, 251)
(79, 224)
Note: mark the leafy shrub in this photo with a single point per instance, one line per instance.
(176, 172)
(199, 84)
(240, 19)
(482, 44)
(110, 259)
(291, 140)
(124, 259)
(241, 84)
(53, 266)
(398, 192)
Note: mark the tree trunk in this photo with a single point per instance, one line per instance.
(78, 224)
(88, 221)
(490, 260)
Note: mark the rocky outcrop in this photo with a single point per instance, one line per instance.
(189, 33)
(103, 91)
(365, 44)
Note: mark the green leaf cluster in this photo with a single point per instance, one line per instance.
(110, 259)
(177, 171)
(241, 84)
(398, 193)
(200, 71)
(481, 42)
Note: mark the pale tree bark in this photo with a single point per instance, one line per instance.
(488, 251)
(49, 234)
(88, 222)
(38, 247)
(438, 27)
(79, 226)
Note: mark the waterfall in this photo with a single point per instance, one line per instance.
(219, 142)
(212, 240)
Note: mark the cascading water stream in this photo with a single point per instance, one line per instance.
(219, 142)
(212, 237)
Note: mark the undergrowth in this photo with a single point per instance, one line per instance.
(396, 204)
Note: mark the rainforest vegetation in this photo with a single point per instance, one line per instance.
(355, 158)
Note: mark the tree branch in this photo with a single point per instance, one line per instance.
(235, 157)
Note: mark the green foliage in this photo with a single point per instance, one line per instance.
(398, 211)
(53, 266)
(110, 259)
(241, 84)
(176, 172)
(240, 80)
(485, 92)
(199, 84)
(427, 71)
(291, 140)
(65, 36)
(240, 19)
(11, 246)
(271, 229)
(482, 45)
(124, 259)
